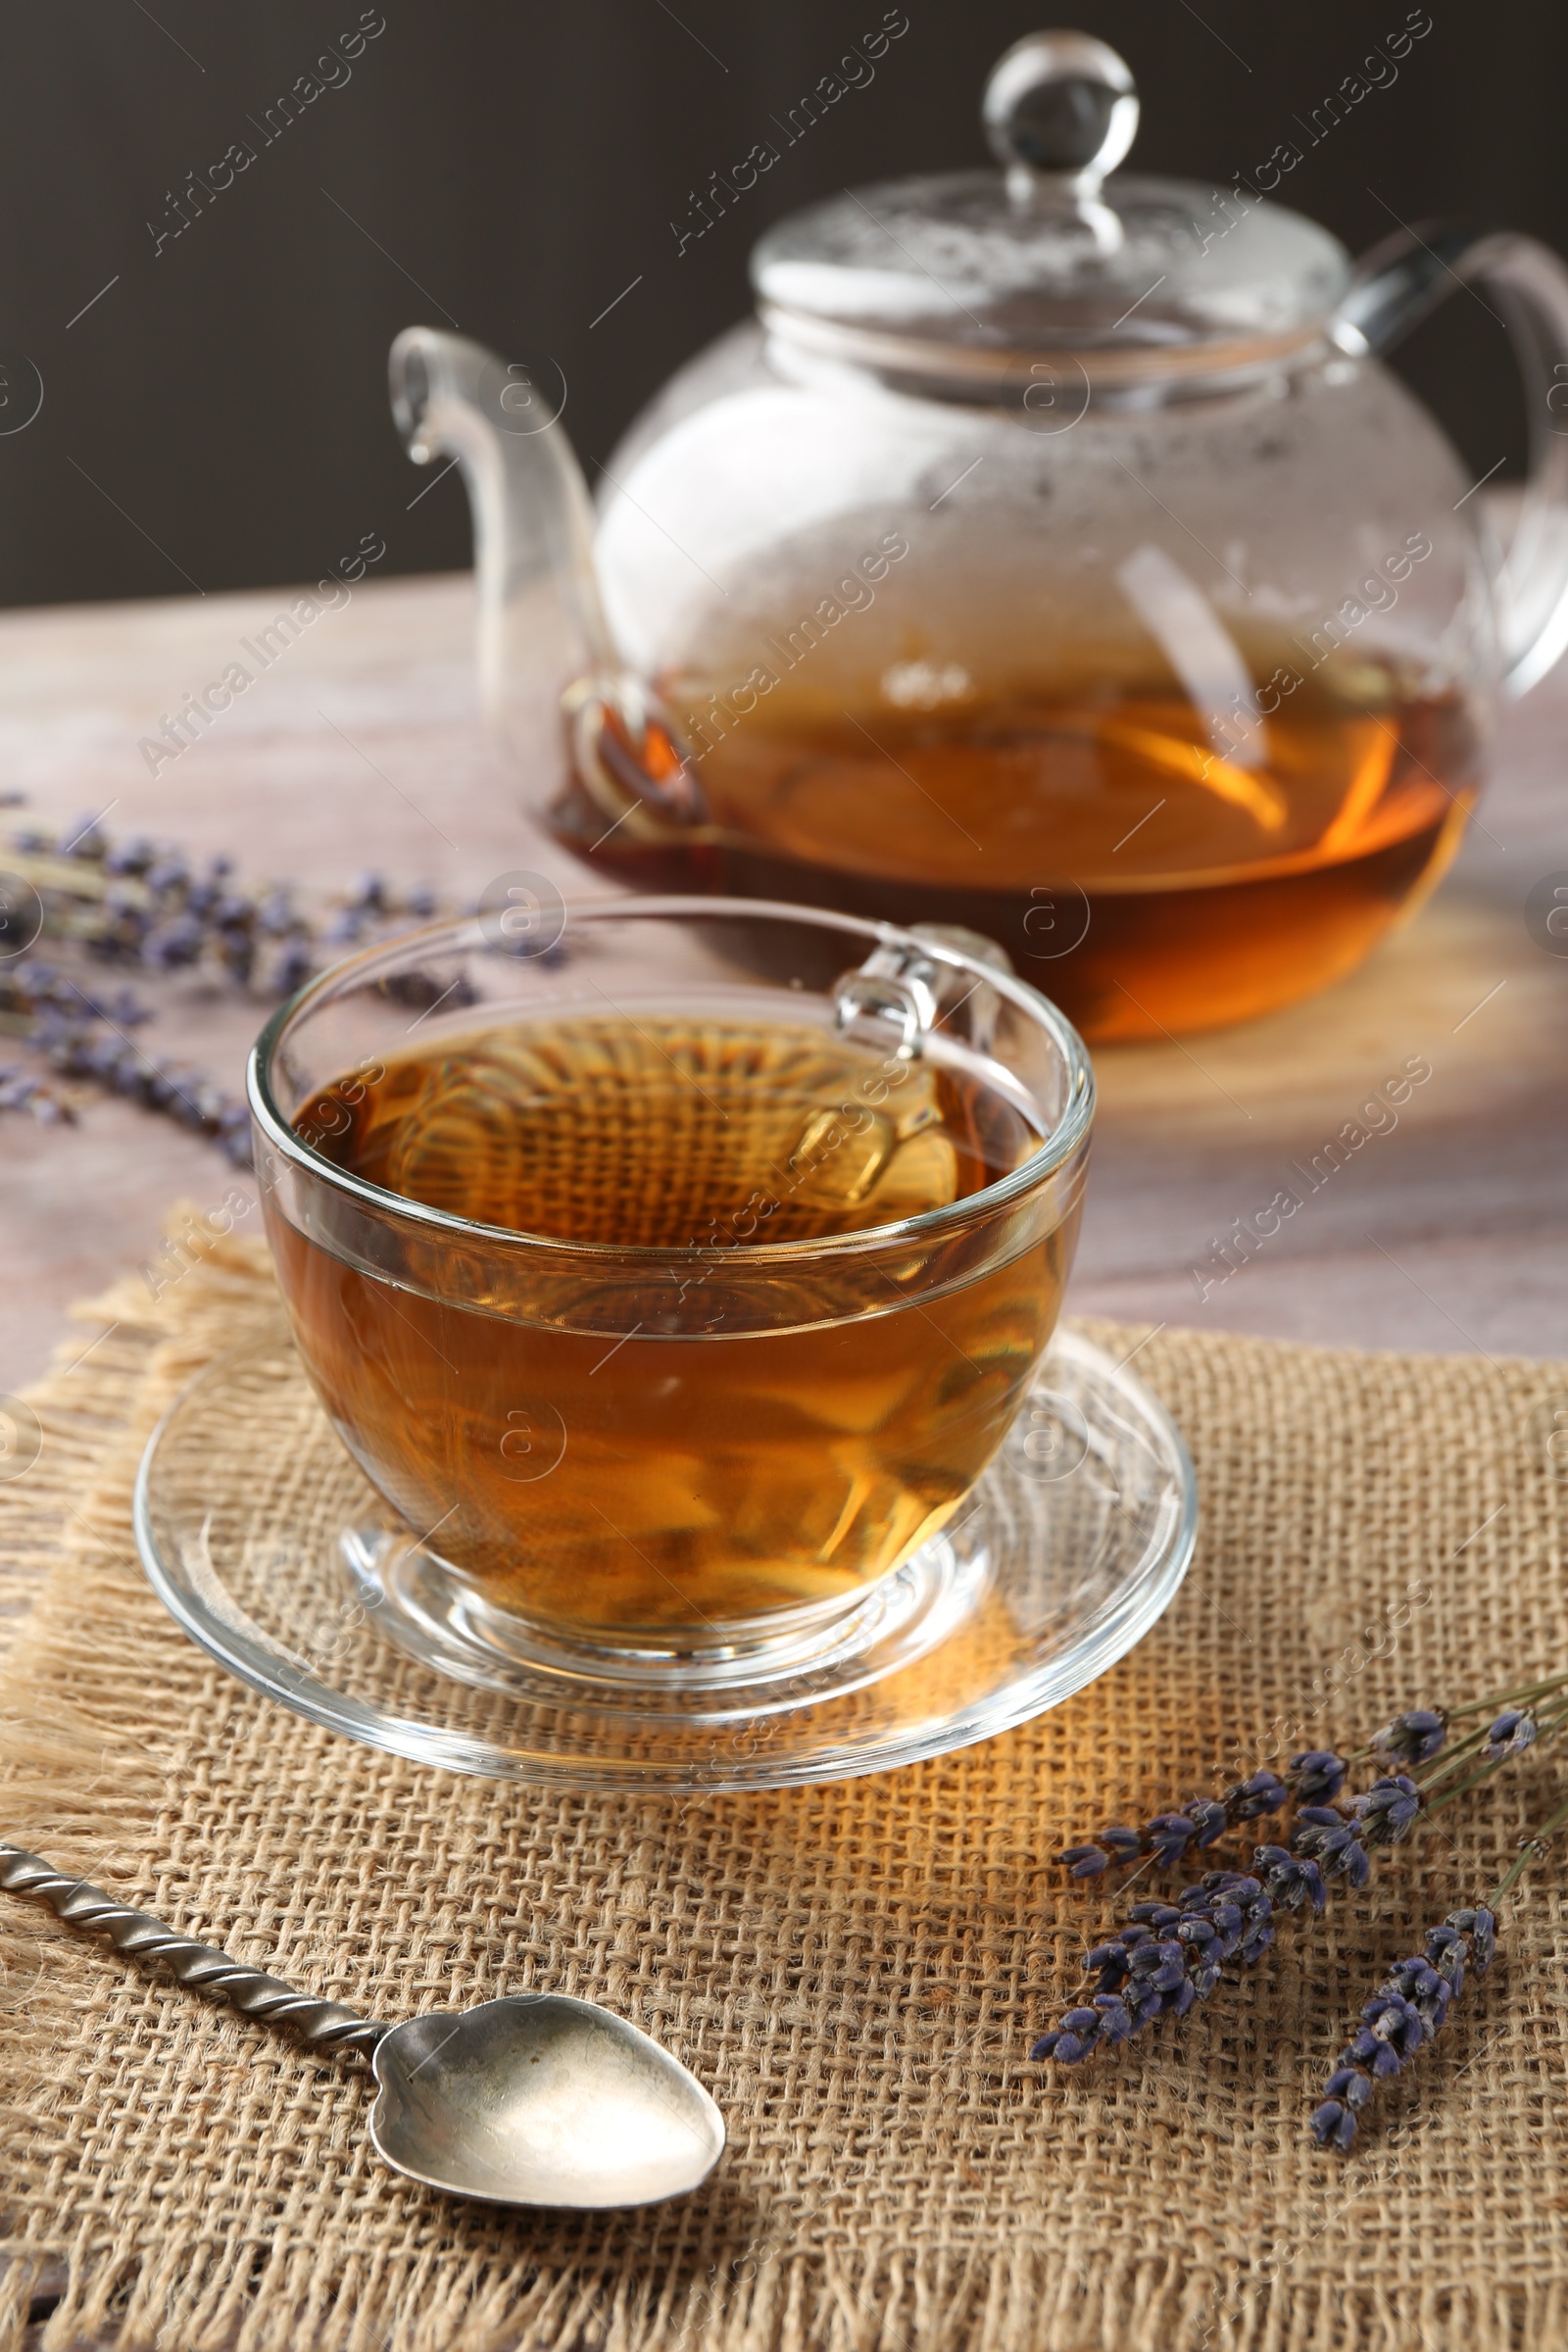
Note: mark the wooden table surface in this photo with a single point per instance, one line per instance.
(360, 748)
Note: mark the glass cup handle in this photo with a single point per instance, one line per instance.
(1395, 286)
(914, 990)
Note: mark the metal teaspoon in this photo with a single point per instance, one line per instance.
(534, 2099)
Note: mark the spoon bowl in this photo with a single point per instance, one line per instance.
(540, 2099)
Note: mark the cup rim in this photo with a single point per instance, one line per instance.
(1065, 1137)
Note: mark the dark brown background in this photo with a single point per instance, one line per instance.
(523, 163)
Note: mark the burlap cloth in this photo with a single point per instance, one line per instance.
(858, 1971)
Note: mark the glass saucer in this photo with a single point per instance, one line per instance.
(270, 1548)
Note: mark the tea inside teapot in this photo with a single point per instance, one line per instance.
(1086, 822)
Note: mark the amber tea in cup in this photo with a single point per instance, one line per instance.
(673, 1295)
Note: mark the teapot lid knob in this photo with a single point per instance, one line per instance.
(1059, 108)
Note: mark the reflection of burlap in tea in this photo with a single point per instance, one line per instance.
(858, 1971)
(664, 1133)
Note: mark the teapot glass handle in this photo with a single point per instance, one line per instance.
(1395, 287)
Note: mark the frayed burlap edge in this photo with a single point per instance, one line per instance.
(83, 1781)
(85, 1786)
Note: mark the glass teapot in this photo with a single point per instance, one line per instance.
(1052, 555)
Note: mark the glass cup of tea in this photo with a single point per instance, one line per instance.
(673, 1266)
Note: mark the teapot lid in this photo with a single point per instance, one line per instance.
(981, 269)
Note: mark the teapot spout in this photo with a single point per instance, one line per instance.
(546, 652)
(533, 516)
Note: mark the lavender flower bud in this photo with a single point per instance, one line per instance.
(1162, 1967)
(293, 968)
(1484, 1942)
(1319, 1774)
(1353, 1864)
(1348, 2084)
(1085, 1861)
(1318, 1828)
(1290, 1882)
(176, 943)
(1082, 2030)
(1413, 1977)
(1412, 1739)
(1169, 1834)
(1066, 2048)
(1387, 1809)
(1336, 1844)
(1263, 1792)
(1247, 1907)
(1236, 1883)
(131, 856)
(1482, 1929)
(1333, 2124)
(1395, 2020)
(1210, 1820)
(1514, 1730)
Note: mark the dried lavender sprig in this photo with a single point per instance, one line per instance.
(155, 1081)
(1315, 1774)
(142, 902)
(1169, 1956)
(1172, 1954)
(81, 1034)
(1326, 1843)
(1412, 2004)
(1476, 1750)
(139, 900)
(1521, 1695)
(1407, 2010)
(32, 986)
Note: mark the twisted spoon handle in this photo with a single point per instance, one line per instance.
(323, 2025)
